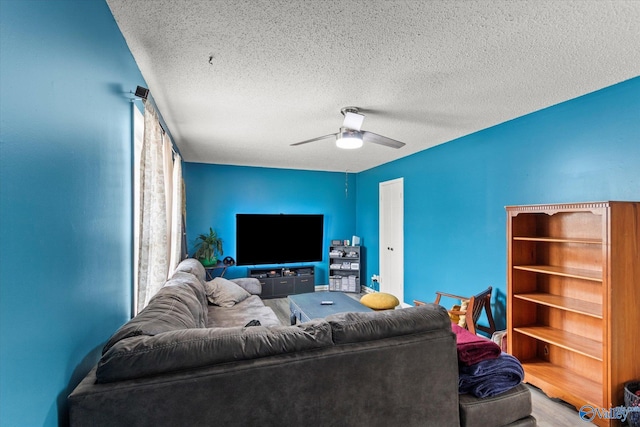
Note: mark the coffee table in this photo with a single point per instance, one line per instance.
(305, 307)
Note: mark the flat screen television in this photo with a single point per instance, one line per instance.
(279, 238)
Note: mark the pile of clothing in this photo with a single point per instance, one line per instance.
(484, 369)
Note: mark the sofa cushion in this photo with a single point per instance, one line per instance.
(192, 348)
(193, 266)
(240, 314)
(495, 411)
(172, 308)
(249, 284)
(358, 327)
(224, 293)
(183, 278)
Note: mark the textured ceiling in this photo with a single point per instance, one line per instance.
(238, 81)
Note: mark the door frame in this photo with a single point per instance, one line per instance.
(399, 251)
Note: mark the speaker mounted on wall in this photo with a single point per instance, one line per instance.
(142, 92)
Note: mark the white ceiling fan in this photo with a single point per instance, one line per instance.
(351, 136)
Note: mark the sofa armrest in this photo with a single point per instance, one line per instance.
(249, 284)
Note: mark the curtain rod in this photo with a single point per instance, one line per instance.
(143, 94)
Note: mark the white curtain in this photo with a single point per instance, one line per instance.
(177, 219)
(154, 227)
(168, 191)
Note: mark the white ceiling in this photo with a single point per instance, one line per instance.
(238, 81)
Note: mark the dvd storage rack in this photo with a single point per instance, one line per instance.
(344, 268)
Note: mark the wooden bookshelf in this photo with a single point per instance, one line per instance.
(562, 383)
(564, 303)
(556, 240)
(573, 285)
(563, 271)
(564, 339)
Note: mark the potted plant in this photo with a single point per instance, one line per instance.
(208, 248)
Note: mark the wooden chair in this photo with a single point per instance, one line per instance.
(476, 305)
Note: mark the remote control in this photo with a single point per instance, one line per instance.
(326, 303)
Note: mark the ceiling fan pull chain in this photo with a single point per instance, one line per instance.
(346, 184)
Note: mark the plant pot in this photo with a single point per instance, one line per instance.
(209, 262)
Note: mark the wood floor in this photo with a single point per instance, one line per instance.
(548, 412)
(553, 412)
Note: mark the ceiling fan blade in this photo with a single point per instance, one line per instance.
(382, 140)
(314, 139)
(352, 120)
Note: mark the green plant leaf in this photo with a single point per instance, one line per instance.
(208, 246)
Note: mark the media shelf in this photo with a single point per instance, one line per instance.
(345, 265)
(572, 299)
(281, 282)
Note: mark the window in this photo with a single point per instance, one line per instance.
(138, 135)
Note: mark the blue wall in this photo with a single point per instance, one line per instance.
(215, 193)
(65, 196)
(586, 149)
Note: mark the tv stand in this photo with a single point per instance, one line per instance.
(283, 281)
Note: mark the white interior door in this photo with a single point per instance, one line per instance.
(392, 237)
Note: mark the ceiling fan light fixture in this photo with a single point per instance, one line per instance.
(349, 140)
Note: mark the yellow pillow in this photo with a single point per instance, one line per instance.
(455, 318)
(379, 301)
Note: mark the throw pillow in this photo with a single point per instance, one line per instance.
(249, 284)
(455, 318)
(379, 301)
(462, 321)
(225, 293)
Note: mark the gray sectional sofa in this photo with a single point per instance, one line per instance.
(183, 361)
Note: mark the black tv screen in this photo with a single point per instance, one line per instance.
(278, 238)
